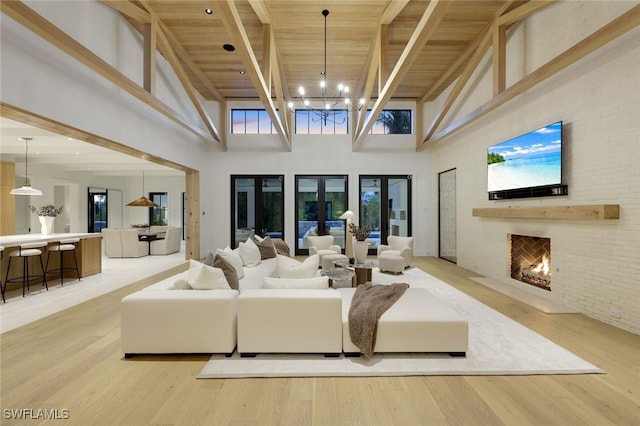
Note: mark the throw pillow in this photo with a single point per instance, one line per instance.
(203, 277)
(250, 253)
(181, 284)
(209, 260)
(281, 247)
(229, 272)
(287, 267)
(233, 257)
(266, 247)
(296, 283)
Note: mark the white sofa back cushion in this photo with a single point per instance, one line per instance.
(287, 267)
(298, 283)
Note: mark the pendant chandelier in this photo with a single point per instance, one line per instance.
(328, 103)
(142, 201)
(26, 189)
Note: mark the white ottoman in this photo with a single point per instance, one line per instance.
(388, 262)
(417, 322)
(328, 259)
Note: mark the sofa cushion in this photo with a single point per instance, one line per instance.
(266, 247)
(233, 257)
(203, 277)
(287, 267)
(180, 284)
(249, 253)
(228, 270)
(299, 283)
(209, 259)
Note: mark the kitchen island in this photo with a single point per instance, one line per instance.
(88, 253)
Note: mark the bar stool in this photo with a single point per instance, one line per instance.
(25, 251)
(2, 285)
(61, 246)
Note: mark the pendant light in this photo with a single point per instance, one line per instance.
(26, 189)
(142, 201)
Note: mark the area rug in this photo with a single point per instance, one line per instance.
(497, 346)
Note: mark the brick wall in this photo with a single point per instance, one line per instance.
(596, 264)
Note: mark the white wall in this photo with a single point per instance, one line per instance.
(595, 264)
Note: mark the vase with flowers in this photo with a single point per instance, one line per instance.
(46, 215)
(360, 245)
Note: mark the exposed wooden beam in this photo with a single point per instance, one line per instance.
(233, 24)
(31, 20)
(394, 7)
(422, 33)
(129, 9)
(614, 29)
(266, 55)
(464, 77)
(260, 8)
(183, 77)
(277, 83)
(142, 16)
(149, 68)
(373, 59)
(499, 58)
(523, 11)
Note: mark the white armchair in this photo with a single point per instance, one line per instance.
(321, 245)
(402, 246)
(112, 242)
(170, 243)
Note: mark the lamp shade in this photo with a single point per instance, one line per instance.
(348, 215)
(25, 190)
(142, 202)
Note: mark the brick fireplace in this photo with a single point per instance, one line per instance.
(531, 260)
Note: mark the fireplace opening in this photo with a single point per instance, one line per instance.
(531, 260)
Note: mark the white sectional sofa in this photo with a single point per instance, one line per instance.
(253, 319)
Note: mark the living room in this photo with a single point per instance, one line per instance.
(595, 262)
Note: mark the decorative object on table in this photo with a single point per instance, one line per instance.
(26, 189)
(46, 215)
(360, 246)
(140, 225)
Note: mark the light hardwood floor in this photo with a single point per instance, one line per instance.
(72, 361)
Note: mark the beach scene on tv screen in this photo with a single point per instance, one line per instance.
(529, 160)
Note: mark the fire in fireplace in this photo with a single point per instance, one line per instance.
(531, 260)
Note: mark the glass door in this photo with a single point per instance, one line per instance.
(257, 205)
(385, 205)
(447, 234)
(97, 210)
(320, 200)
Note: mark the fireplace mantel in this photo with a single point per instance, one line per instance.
(590, 211)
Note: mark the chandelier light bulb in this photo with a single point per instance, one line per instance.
(361, 101)
(322, 83)
(327, 106)
(290, 105)
(346, 89)
(306, 102)
(347, 101)
(341, 87)
(301, 90)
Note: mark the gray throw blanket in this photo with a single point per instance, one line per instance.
(367, 306)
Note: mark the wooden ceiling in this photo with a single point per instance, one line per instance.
(293, 31)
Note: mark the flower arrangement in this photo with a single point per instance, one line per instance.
(46, 210)
(360, 232)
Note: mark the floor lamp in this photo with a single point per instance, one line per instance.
(348, 240)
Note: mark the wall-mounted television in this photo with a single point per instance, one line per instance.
(529, 165)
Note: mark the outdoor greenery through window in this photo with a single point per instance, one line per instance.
(251, 122)
(311, 122)
(392, 122)
(158, 215)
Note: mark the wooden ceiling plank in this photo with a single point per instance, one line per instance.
(423, 31)
(233, 23)
(614, 29)
(31, 20)
(464, 77)
(183, 78)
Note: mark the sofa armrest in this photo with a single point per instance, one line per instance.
(383, 247)
(179, 321)
(336, 248)
(312, 250)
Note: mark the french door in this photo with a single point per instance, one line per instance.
(447, 228)
(385, 205)
(320, 201)
(97, 210)
(257, 207)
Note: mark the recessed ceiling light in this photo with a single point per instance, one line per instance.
(208, 11)
(243, 72)
(228, 47)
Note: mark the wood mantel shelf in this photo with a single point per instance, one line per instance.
(590, 211)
